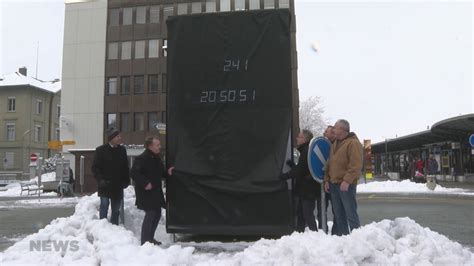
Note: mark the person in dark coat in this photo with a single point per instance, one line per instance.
(306, 188)
(147, 172)
(110, 168)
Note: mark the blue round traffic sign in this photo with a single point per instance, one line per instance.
(318, 155)
(471, 140)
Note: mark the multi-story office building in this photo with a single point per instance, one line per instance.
(114, 64)
(29, 118)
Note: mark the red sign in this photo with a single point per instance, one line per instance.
(33, 157)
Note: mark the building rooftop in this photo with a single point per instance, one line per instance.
(17, 79)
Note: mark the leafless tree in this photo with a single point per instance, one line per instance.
(311, 115)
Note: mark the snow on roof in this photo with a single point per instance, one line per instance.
(15, 79)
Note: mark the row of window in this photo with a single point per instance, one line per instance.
(151, 14)
(38, 132)
(141, 49)
(139, 119)
(140, 84)
(11, 106)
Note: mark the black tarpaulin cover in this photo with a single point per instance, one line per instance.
(229, 120)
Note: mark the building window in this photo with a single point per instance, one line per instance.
(239, 4)
(127, 16)
(138, 84)
(111, 86)
(165, 46)
(139, 49)
(152, 120)
(11, 104)
(155, 14)
(210, 6)
(114, 15)
(182, 8)
(268, 4)
(58, 111)
(141, 15)
(196, 7)
(124, 122)
(163, 117)
(167, 11)
(284, 3)
(58, 132)
(164, 83)
(126, 50)
(111, 120)
(39, 107)
(113, 51)
(10, 131)
(125, 85)
(152, 83)
(138, 121)
(225, 5)
(254, 4)
(153, 50)
(38, 133)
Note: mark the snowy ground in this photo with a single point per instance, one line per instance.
(406, 186)
(389, 242)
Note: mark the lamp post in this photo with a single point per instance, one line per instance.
(23, 149)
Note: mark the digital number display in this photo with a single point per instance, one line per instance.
(227, 96)
(235, 65)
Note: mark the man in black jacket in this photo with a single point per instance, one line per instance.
(147, 172)
(306, 188)
(110, 168)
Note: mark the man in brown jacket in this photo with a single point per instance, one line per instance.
(343, 171)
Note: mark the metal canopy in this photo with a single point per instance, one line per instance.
(452, 129)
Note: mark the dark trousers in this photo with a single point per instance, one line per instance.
(150, 223)
(104, 208)
(305, 214)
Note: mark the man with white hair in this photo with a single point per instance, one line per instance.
(341, 176)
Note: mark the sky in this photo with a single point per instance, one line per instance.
(389, 68)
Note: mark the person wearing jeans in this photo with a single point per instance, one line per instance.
(110, 168)
(341, 176)
(115, 204)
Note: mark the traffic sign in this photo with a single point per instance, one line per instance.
(318, 155)
(471, 140)
(54, 145)
(33, 157)
(68, 142)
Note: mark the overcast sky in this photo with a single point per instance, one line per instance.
(390, 68)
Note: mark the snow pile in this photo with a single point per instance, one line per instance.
(406, 186)
(399, 242)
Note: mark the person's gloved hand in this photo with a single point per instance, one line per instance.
(284, 176)
(103, 183)
(290, 163)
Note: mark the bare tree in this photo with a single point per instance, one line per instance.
(311, 115)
